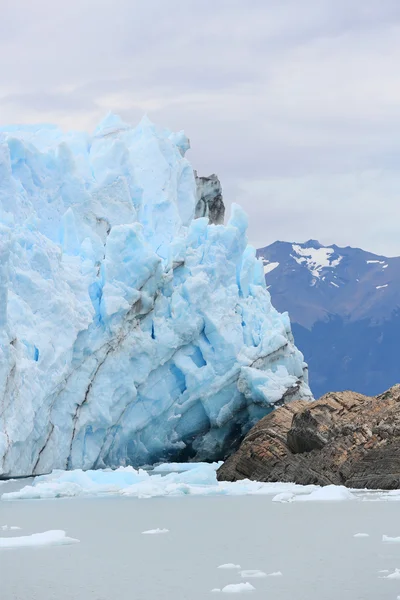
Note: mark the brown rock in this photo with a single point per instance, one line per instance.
(343, 438)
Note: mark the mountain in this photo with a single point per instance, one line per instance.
(130, 331)
(344, 305)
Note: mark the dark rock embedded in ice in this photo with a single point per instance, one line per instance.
(209, 199)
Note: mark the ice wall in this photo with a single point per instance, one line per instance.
(130, 332)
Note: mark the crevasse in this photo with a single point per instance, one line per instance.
(130, 332)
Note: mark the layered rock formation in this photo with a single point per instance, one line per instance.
(344, 438)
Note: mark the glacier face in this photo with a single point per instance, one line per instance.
(130, 332)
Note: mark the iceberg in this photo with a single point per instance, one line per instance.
(134, 327)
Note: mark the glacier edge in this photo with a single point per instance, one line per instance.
(130, 331)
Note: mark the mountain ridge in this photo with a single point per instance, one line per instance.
(344, 303)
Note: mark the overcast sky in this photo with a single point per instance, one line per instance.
(295, 104)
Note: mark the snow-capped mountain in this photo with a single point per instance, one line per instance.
(344, 304)
(130, 331)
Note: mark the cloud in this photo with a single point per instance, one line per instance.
(296, 105)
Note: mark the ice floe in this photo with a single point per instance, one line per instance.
(394, 575)
(236, 588)
(179, 479)
(252, 573)
(199, 480)
(55, 537)
(361, 535)
(229, 566)
(155, 531)
(387, 538)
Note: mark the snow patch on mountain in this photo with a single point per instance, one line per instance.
(268, 267)
(315, 259)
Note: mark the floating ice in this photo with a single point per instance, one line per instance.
(229, 566)
(386, 538)
(236, 588)
(394, 575)
(55, 537)
(275, 574)
(181, 467)
(284, 497)
(361, 535)
(157, 339)
(155, 531)
(252, 573)
(10, 527)
(127, 481)
(328, 493)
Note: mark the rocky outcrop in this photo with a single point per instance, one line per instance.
(209, 199)
(344, 438)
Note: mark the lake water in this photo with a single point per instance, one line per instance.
(312, 544)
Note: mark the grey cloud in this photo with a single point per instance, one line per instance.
(288, 101)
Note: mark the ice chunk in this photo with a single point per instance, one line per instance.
(238, 588)
(126, 481)
(155, 531)
(181, 467)
(275, 574)
(151, 319)
(284, 497)
(361, 535)
(329, 493)
(252, 573)
(386, 538)
(394, 575)
(229, 566)
(55, 537)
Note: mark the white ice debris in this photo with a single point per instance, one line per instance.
(237, 588)
(283, 497)
(252, 573)
(155, 531)
(328, 493)
(334, 284)
(157, 336)
(53, 537)
(181, 467)
(361, 535)
(379, 287)
(371, 262)
(275, 574)
(127, 481)
(315, 259)
(229, 566)
(394, 575)
(387, 538)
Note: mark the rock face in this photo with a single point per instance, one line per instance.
(344, 438)
(209, 199)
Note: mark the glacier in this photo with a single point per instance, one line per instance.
(131, 331)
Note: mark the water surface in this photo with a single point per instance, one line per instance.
(311, 543)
